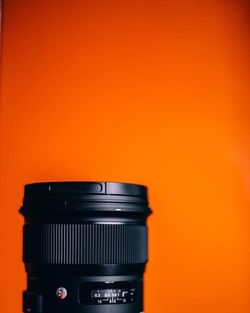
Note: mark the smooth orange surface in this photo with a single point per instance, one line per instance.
(152, 92)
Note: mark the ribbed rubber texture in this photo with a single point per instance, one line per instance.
(85, 244)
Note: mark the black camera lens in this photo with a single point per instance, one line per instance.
(85, 247)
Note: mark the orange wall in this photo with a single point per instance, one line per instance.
(153, 92)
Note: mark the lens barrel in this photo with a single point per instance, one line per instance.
(85, 247)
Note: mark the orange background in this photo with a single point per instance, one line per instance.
(153, 92)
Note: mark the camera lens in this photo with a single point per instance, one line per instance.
(85, 247)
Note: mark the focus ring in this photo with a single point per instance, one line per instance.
(82, 244)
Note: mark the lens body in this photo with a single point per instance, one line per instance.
(85, 247)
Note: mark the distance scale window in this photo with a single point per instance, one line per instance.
(108, 293)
